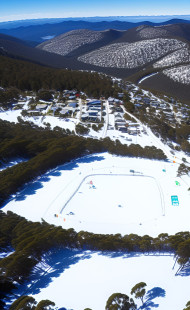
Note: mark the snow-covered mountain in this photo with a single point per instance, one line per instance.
(132, 55)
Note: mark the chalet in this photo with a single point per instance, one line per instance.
(93, 113)
(111, 100)
(67, 111)
(154, 104)
(133, 130)
(118, 109)
(138, 105)
(84, 117)
(93, 118)
(123, 129)
(120, 95)
(138, 98)
(94, 102)
(135, 125)
(41, 107)
(146, 100)
(72, 97)
(72, 104)
(120, 121)
(94, 108)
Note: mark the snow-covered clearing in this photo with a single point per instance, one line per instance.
(107, 204)
(118, 204)
(87, 279)
(41, 121)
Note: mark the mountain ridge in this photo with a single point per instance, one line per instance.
(36, 33)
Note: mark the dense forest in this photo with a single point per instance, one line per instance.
(29, 241)
(44, 149)
(29, 76)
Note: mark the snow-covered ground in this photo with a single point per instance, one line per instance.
(131, 55)
(88, 279)
(179, 74)
(12, 116)
(69, 41)
(120, 202)
(177, 57)
(11, 163)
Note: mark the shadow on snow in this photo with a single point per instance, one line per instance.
(184, 272)
(52, 266)
(155, 292)
(31, 188)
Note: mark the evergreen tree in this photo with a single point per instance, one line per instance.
(187, 306)
(23, 303)
(45, 305)
(139, 291)
(118, 301)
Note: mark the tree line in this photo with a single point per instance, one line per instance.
(44, 149)
(32, 77)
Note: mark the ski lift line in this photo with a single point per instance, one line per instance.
(112, 175)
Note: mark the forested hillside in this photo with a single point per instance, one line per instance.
(27, 76)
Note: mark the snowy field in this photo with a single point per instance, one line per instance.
(102, 203)
(121, 202)
(86, 280)
(40, 121)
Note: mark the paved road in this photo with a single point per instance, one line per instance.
(104, 134)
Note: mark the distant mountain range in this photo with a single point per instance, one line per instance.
(159, 52)
(38, 33)
(132, 19)
(18, 49)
